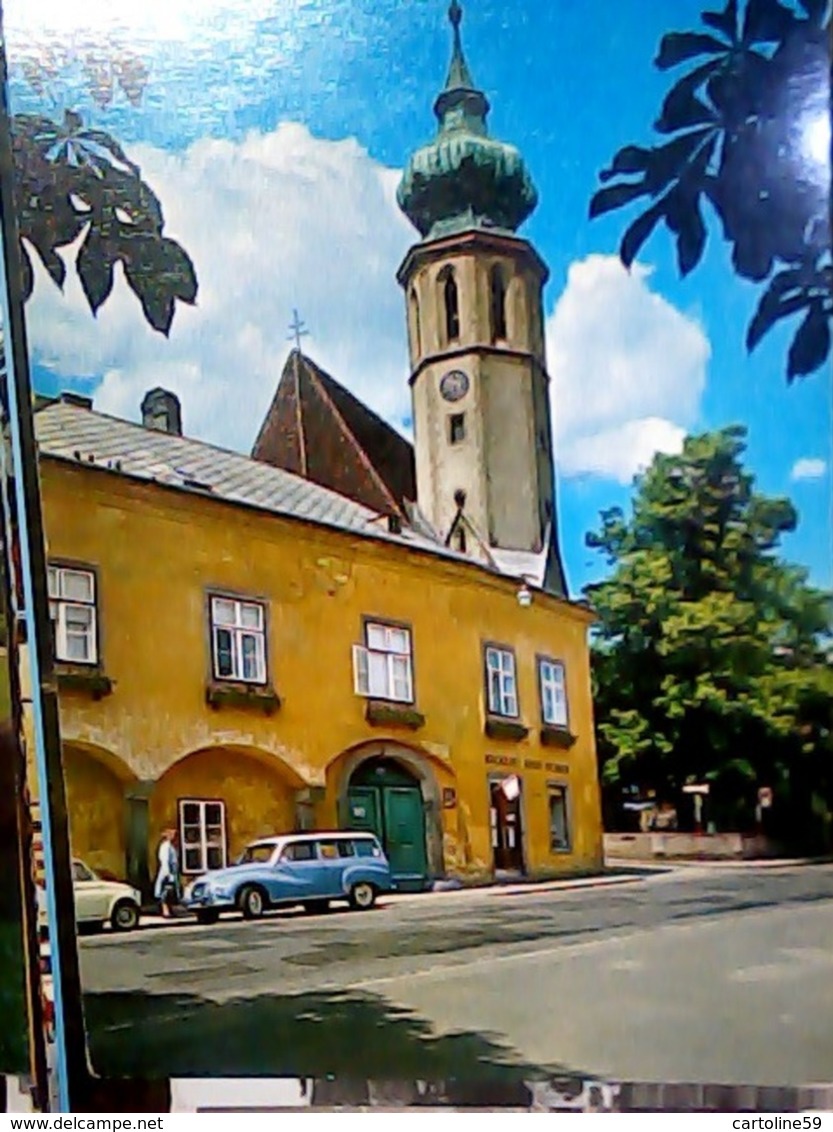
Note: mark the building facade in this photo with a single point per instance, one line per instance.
(249, 646)
(237, 670)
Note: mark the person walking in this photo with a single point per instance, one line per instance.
(166, 888)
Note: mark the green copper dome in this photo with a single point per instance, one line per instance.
(464, 179)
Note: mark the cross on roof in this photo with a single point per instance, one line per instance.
(298, 330)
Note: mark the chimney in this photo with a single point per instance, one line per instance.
(161, 410)
(77, 399)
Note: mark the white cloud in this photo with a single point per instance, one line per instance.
(276, 221)
(622, 451)
(808, 468)
(628, 370)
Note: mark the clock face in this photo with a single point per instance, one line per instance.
(455, 385)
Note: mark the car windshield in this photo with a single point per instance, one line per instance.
(81, 872)
(256, 854)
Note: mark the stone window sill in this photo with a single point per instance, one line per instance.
(499, 728)
(384, 714)
(259, 697)
(557, 737)
(80, 678)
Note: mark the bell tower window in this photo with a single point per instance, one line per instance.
(451, 305)
(457, 428)
(497, 294)
(415, 323)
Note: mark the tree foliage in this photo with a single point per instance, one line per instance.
(709, 660)
(75, 183)
(745, 128)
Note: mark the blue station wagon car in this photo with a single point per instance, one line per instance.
(310, 869)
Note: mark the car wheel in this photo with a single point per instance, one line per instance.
(362, 896)
(207, 916)
(251, 903)
(312, 907)
(125, 916)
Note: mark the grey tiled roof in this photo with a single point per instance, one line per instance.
(82, 436)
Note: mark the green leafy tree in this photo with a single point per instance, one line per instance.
(73, 180)
(709, 657)
(744, 134)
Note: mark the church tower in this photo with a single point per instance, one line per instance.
(473, 289)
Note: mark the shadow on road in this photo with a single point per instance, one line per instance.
(346, 1034)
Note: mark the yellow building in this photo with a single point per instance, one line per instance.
(340, 631)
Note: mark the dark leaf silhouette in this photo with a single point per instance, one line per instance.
(734, 149)
(158, 272)
(615, 196)
(631, 159)
(95, 268)
(785, 295)
(811, 344)
(766, 21)
(682, 107)
(815, 9)
(638, 233)
(691, 238)
(69, 178)
(684, 112)
(678, 46)
(725, 21)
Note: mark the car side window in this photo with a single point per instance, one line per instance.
(346, 849)
(299, 851)
(366, 848)
(328, 850)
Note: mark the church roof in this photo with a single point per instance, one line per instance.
(318, 429)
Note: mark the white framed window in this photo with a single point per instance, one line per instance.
(238, 640)
(501, 683)
(553, 687)
(559, 819)
(383, 668)
(202, 835)
(72, 613)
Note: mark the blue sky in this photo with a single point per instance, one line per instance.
(280, 90)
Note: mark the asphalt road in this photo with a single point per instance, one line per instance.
(721, 975)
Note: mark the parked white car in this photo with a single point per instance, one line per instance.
(99, 901)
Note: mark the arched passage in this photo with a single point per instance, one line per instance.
(394, 791)
(221, 798)
(96, 783)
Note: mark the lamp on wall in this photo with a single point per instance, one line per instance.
(524, 596)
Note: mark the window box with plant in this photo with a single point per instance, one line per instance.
(238, 656)
(503, 717)
(73, 615)
(383, 675)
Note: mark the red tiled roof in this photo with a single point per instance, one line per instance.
(318, 429)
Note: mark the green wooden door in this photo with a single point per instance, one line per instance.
(405, 835)
(365, 810)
